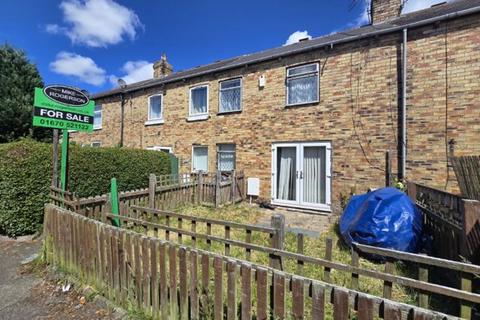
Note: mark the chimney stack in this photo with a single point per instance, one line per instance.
(384, 10)
(162, 68)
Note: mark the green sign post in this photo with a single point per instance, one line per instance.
(66, 108)
(64, 163)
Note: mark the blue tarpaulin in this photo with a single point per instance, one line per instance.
(385, 218)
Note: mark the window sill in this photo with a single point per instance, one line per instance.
(221, 113)
(198, 117)
(97, 128)
(302, 104)
(154, 121)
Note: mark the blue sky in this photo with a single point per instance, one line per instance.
(90, 43)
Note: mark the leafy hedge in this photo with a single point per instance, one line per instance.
(25, 177)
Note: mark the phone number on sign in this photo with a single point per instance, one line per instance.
(68, 125)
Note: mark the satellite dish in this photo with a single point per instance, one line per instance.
(121, 83)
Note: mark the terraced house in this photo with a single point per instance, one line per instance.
(313, 120)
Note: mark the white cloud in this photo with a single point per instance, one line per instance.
(96, 23)
(297, 36)
(54, 28)
(415, 5)
(80, 67)
(134, 71)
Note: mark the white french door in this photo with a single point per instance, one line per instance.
(301, 174)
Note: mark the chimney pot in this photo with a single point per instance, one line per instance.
(162, 68)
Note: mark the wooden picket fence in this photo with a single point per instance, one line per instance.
(459, 293)
(142, 213)
(170, 281)
(169, 191)
(164, 192)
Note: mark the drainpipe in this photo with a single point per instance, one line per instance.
(122, 116)
(403, 162)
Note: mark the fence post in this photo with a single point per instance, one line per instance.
(470, 210)
(422, 296)
(243, 186)
(200, 186)
(234, 183)
(387, 285)
(217, 189)
(152, 185)
(300, 251)
(355, 257)
(465, 285)
(412, 191)
(107, 208)
(328, 256)
(278, 239)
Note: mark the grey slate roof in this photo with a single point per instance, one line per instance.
(414, 19)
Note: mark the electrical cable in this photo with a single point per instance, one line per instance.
(354, 113)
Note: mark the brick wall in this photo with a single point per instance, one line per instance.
(357, 110)
(444, 98)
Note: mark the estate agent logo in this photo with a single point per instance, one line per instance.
(66, 95)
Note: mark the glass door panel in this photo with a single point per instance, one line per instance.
(312, 175)
(286, 171)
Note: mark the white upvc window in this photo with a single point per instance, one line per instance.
(230, 99)
(97, 117)
(155, 109)
(302, 84)
(199, 158)
(198, 109)
(160, 148)
(226, 157)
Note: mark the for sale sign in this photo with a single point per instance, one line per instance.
(63, 107)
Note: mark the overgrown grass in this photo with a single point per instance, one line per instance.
(315, 247)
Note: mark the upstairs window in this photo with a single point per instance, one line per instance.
(155, 107)
(198, 103)
(230, 95)
(200, 158)
(302, 84)
(97, 117)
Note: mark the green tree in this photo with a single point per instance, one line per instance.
(18, 78)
